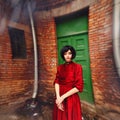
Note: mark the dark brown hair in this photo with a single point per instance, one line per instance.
(65, 49)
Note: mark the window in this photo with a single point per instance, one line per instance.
(17, 43)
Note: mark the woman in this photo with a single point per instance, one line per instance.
(68, 83)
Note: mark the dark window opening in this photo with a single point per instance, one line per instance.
(18, 44)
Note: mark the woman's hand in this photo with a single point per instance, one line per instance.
(60, 106)
(59, 101)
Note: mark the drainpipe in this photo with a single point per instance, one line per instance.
(35, 89)
(116, 34)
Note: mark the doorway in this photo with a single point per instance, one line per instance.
(73, 30)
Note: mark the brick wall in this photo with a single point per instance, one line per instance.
(46, 39)
(16, 75)
(104, 76)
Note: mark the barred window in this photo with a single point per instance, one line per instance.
(18, 44)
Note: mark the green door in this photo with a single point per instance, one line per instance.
(74, 32)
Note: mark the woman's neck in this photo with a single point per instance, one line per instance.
(68, 62)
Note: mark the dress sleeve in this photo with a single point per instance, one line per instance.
(57, 76)
(79, 78)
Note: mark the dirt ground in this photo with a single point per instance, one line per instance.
(26, 112)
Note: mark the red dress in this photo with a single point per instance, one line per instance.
(69, 76)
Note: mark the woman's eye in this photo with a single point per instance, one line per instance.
(65, 53)
(70, 53)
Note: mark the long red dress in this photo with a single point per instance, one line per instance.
(69, 76)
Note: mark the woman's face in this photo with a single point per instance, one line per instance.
(68, 56)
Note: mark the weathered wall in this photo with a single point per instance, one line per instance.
(46, 39)
(16, 75)
(104, 76)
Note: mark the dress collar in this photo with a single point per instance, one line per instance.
(67, 63)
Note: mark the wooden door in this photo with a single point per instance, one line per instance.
(74, 32)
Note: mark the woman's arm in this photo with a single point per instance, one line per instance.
(67, 94)
(57, 91)
(70, 92)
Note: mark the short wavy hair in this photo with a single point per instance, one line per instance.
(65, 49)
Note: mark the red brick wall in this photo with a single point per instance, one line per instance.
(47, 53)
(16, 75)
(105, 79)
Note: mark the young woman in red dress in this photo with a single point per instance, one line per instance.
(68, 83)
